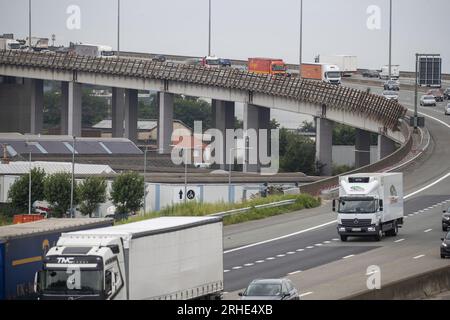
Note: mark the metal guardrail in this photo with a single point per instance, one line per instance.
(371, 106)
(260, 206)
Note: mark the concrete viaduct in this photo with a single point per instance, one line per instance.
(225, 86)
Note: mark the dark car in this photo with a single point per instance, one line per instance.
(270, 289)
(225, 62)
(446, 219)
(370, 73)
(437, 94)
(392, 85)
(159, 58)
(445, 246)
(447, 93)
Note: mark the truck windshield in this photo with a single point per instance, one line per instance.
(357, 206)
(64, 281)
(107, 53)
(278, 67)
(333, 75)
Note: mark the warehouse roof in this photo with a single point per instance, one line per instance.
(23, 167)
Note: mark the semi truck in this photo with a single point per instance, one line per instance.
(395, 72)
(347, 64)
(166, 258)
(369, 204)
(267, 66)
(93, 50)
(9, 44)
(23, 247)
(320, 71)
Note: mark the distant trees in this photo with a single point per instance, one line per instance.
(297, 153)
(127, 192)
(19, 190)
(92, 192)
(57, 188)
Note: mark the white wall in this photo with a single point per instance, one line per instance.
(345, 155)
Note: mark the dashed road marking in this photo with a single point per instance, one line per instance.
(300, 250)
(399, 240)
(259, 261)
(305, 294)
(419, 256)
(309, 247)
(327, 242)
(280, 255)
(290, 252)
(349, 256)
(294, 272)
(335, 239)
(428, 230)
(318, 244)
(225, 271)
(270, 258)
(237, 268)
(248, 264)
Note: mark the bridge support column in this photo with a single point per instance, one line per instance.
(255, 118)
(64, 123)
(37, 105)
(385, 146)
(117, 112)
(131, 114)
(165, 122)
(223, 119)
(74, 109)
(362, 148)
(324, 145)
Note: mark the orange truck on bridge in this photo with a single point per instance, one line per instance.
(266, 66)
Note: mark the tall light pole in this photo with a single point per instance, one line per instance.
(209, 29)
(72, 215)
(29, 24)
(29, 144)
(229, 167)
(390, 39)
(118, 28)
(145, 171)
(185, 175)
(301, 40)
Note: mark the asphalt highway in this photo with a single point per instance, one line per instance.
(304, 246)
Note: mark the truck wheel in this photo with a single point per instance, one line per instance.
(442, 256)
(343, 238)
(393, 232)
(444, 228)
(379, 235)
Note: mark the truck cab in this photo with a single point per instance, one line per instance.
(83, 268)
(331, 74)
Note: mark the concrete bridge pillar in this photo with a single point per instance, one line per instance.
(362, 148)
(165, 122)
(324, 145)
(385, 146)
(223, 119)
(131, 114)
(37, 105)
(64, 124)
(117, 112)
(74, 109)
(255, 118)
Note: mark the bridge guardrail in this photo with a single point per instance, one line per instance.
(260, 206)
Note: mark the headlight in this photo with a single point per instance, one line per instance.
(341, 229)
(444, 244)
(446, 218)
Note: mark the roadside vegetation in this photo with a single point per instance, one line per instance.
(302, 201)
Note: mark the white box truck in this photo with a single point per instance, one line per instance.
(369, 204)
(319, 71)
(347, 64)
(167, 258)
(9, 44)
(395, 72)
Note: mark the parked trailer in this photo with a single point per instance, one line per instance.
(166, 258)
(347, 64)
(23, 246)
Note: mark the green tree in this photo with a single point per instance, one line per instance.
(307, 126)
(297, 153)
(92, 192)
(57, 192)
(343, 135)
(127, 192)
(19, 191)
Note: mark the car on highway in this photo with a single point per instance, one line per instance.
(446, 219)
(445, 246)
(204, 165)
(437, 94)
(447, 109)
(390, 95)
(370, 73)
(447, 94)
(392, 85)
(159, 58)
(270, 289)
(225, 62)
(427, 100)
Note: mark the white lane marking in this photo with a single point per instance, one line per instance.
(419, 256)
(309, 247)
(427, 186)
(237, 268)
(259, 261)
(280, 255)
(318, 244)
(282, 237)
(409, 215)
(428, 230)
(349, 256)
(225, 271)
(294, 272)
(290, 252)
(326, 242)
(431, 117)
(426, 209)
(300, 250)
(270, 258)
(305, 294)
(335, 239)
(225, 292)
(248, 264)
(399, 240)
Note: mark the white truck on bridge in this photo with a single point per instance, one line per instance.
(347, 64)
(369, 204)
(9, 44)
(164, 258)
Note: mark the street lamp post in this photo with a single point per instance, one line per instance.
(72, 215)
(390, 39)
(229, 167)
(29, 24)
(301, 40)
(209, 28)
(29, 181)
(118, 28)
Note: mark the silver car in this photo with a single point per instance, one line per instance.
(270, 289)
(390, 95)
(427, 100)
(447, 109)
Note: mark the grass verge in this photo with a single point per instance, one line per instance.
(302, 201)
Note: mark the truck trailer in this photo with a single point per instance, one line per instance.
(23, 247)
(166, 258)
(319, 71)
(9, 44)
(369, 204)
(267, 66)
(347, 64)
(395, 72)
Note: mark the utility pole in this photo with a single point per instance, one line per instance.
(72, 215)
(118, 28)
(209, 30)
(390, 39)
(301, 40)
(29, 25)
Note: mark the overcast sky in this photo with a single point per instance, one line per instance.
(244, 28)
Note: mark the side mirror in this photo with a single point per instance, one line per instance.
(285, 295)
(444, 211)
(37, 280)
(334, 205)
(381, 204)
(240, 294)
(442, 239)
